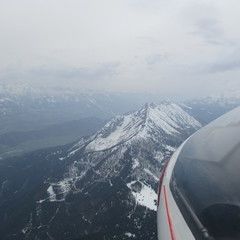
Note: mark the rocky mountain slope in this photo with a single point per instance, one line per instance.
(103, 187)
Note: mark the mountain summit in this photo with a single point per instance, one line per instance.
(152, 122)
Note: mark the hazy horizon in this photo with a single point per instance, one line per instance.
(171, 48)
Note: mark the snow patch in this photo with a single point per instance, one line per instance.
(151, 174)
(170, 148)
(64, 186)
(122, 132)
(158, 156)
(146, 197)
(130, 235)
(51, 193)
(135, 163)
(110, 183)
(58, 191)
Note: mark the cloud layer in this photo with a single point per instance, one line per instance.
(168, 47)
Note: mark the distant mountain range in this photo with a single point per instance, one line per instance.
(102, 187)
(31, 119)
(33, 110)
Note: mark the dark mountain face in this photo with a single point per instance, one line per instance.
(206, 110)
(103, 187)
(104, 211)
(19, 142)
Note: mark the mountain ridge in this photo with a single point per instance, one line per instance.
(106, 190)
(140, 124)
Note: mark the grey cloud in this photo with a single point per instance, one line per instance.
(205, 20)
(54, 50)
(84, 73)
(224, 66)
(46, 72)
(209, 29)
(156, 58)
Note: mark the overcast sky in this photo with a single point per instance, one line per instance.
(170, 47)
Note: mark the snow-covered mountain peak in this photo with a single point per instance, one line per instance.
(151, 121)
(133, 146)
(117, 166)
